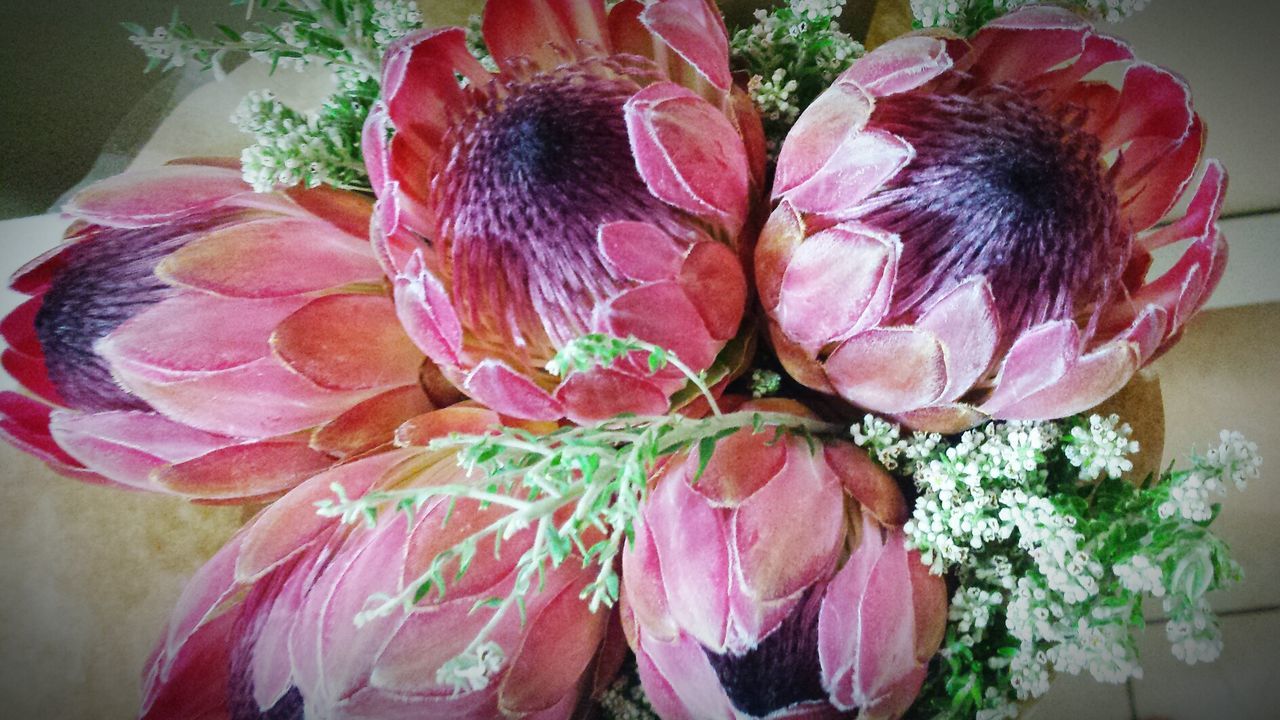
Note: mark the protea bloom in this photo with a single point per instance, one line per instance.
(965, 228)
(599, 181)
(269, 625)
(197, 337)
(815, 604)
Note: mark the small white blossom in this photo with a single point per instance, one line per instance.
(1102, 449)
(1140, 576)
(393, 19)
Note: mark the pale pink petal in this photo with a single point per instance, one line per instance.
(889, 369)
(680, 680)
(1096, 377)
(128, 446)
(347, 211)
(1024, 44)
(499, 386)
(271, 258)
(867, 482)
(160, 195)
(945, 418)
(782, 235)
(860, 167)
(688, 153)
(837, 283)
(1039, 357)
(966, 321)
(839, 113)
(900, 66)
(643, 593)
(425, 311)
(640, 251)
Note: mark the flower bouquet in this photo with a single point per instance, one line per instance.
(597, 360)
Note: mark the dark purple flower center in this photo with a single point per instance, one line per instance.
(533, 170)
(107, 278)
(782, 671)
(999, 187)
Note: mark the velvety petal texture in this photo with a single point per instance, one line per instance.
(267, 629)
(963, 228)
(603, 179)
(195, 337)
(735, 609)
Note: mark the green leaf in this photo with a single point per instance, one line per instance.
(706, 448)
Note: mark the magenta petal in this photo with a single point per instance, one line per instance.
(966, 322)
(543, 31)
(860, 167)
(1039, 358)
(1024, 44)
(639, 250)
(24, 423)
(499, 386)
(695, 31)
(419, 81)
(889, 370)
(836, 284)
(1201, 214)
(688, 153)
(837, 114)
(901, 65)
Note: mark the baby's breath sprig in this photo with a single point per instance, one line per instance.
(966, 16)
(347, 37)
(791, 54)
(1054, 550)
(578, 489)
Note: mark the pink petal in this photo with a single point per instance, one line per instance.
(742, 464)
(1096, 377)
(900, 66)
(542, 30)
(688, 153)
(31, 373)
(321, 343)
(192, 334)
(858, 168)
(696, 32)
(128, 446)
(24, 423)
(419, 81)
(242, 472)
(1202, 213)
(837, 283)
(271, 258)
(643, 592)
(194, 684)
(838, 114)
(680, 681)
(160, 195)
(801, 364)
(425, 311)
(889, 369)
(777, 556)
(1039, 357)
(712, 278)
(499, 386)
(868, 483)
(640, 251)
(944, 418)
(1151, 176)
(349, 212)
(603, 393)
(370, 423)
(213, 584)
(660, 313)
(966, 321)
(782, 235)
(464, 419)
(1025, 44)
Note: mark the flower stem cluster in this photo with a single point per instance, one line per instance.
(791, 54)
(579, 488)
(1054, 551)
(347, 37)
(966, 16)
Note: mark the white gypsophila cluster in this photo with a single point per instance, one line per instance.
(957, 13)
(1138, 574)
(775, 96)
(1102, 448)
(1047, 537)
(290, 148)
(1103, 649)
(971, 610)
(288, 33)
(1235, 460)
(393, 19)
(816, 9)
(1194, 635)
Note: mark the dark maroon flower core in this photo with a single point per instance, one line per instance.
(107, 277)
(1004, 188)
(532, 171)
(751, 681)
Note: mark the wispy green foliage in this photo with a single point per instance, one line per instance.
(1054, 552)
(579, 488)
(346, 37)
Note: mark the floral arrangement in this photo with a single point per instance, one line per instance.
(596, 360)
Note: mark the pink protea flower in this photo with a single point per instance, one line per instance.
(965, 227)
(196, 337)
(778, 584)
(599, 181)
(268, 626)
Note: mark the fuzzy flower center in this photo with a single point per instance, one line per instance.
(534, 169)
(999, 187)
